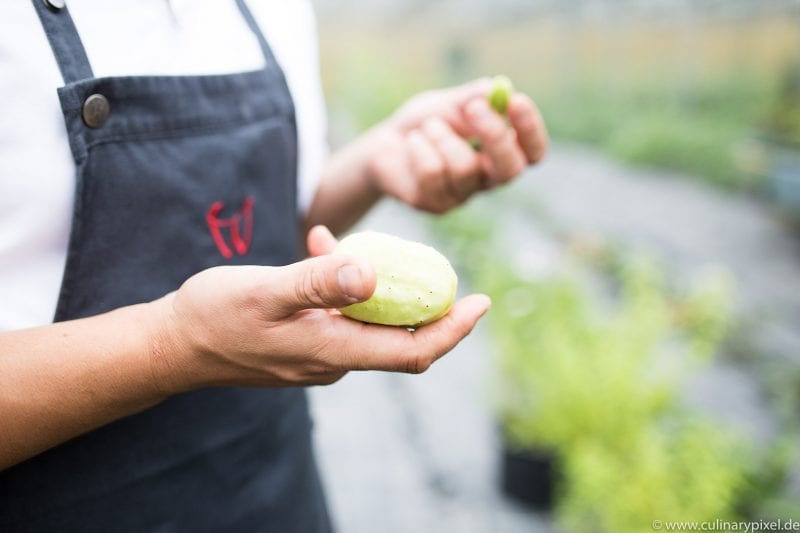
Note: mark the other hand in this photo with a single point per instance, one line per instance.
(422, 154)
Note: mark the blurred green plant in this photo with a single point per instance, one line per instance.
(696, 130)
(590, 370)
(688, 472)
(765, 495)
(574, 367)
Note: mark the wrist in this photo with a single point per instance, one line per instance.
(374, 144)
(169, 355)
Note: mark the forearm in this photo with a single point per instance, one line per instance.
(347, 189)
(62, 380)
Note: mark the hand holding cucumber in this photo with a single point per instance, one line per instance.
(279, 326)
(423, 155)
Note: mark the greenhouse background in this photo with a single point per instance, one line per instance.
(641, 361)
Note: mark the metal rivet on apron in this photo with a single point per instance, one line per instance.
(55, 5)
(96, 110)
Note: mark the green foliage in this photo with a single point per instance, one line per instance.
(764, 497)
(690, 471)
(701, 314)
(590, 364)
(590, 368)
(694, 144)
(573, 367)
(595, 379)
(696, 130)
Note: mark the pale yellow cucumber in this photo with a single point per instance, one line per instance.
(415, 284)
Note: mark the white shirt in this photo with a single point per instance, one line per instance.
(146, 37)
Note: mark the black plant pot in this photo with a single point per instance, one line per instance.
(529, 477)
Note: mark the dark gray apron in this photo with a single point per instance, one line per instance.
(175, 174)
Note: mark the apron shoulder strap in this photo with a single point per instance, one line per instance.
(262, 41)
(64, 40)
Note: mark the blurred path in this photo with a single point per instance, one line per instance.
(404, 454)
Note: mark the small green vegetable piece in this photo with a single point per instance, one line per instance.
(501, 93)
(416, 284)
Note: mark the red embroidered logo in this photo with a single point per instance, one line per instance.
(240, 226)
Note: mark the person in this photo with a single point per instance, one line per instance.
(160, 161)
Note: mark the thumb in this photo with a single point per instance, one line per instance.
(327, 281)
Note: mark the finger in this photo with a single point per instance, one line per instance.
(428, 169)
(320, 241)
(454, 100)
(462, 94)
(398, 350)
(321, 282)
(445, 103)
(448, 331)
(462, 165)
(529, 125)
(503, 157)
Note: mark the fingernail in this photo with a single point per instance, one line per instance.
(351, 282)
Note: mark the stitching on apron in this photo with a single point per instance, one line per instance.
(178, 132)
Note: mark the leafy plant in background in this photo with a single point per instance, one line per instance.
(596, 381)
(684, 471)
(695, 130)
(590, 369)
(575, 368)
